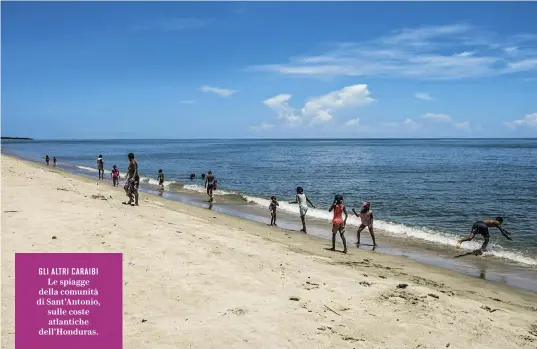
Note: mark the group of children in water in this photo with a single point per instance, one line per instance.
(338, 222)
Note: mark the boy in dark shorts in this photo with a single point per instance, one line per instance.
(209, 184)
(161, 179)
(272, 208)
(115, 176)
(482, 228)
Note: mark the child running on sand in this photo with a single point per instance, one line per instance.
(272, 208)
(161, 179)
(115, 176)
(482, 228)
(302, 200)
(366, 216)
(338, 223)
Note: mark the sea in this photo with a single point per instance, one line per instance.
(424, 193)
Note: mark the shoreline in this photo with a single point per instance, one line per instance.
(208, 279)
(489, 268)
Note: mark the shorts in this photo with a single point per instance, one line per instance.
(338, 227)
(160, 182)
(481, 229)
(303, 210)
(210, 186)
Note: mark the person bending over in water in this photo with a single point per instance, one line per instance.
(100, 166)
(115, 176)
(338, 223)
(133, 181)
(161, 179)
(209, 184)
(482, 228)
(302, 200)
(272, 208)
(366, 216)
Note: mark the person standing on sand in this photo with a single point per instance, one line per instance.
(338, 223)
(272, 208)
(47, 159)
(100, 166)
(209, 184)
(161, 179)
(366, 216)
(482, 228)
(115, 176)
(133, 181)
(302, 200)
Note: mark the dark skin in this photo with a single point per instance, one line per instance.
(131, 176)
(340, 228)
(362, 227)
(273, 213)
(491, 223)
(209, 179)
(302, 217)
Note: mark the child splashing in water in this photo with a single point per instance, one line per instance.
(338, 223)
(366, 216)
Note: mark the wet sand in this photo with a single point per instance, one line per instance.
(204, 279)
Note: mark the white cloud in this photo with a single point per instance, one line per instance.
(412, 125)
(219, 91)
(437, 117)
(529, 120)
(352, 123)
(319, 110)
(437, 52)
(511, 50)
(423, 96)
(261, 127)
(280, 104)
(189, 101)
(462, 126)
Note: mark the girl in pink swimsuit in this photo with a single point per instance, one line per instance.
(338, 223)
(366, 216)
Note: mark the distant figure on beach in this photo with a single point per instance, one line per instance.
(54, 161)
(338, 223)
(47, 159)
(203, 176)
(209, 184)
(366, 216)
(100, 166)
(272, 208)
(115, 175)
(133, 181)
(192, 176)
(482, 228)
(302, 200)
(161, 179)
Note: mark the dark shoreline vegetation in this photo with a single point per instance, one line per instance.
(19, 138)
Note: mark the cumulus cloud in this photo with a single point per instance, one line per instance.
(222, 92)
(412, 125)
(423, 96)
(352, 123)
(319, 110)
(445, 52)
(437, 117)
(529, 120)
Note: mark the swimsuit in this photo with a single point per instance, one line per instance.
(302, 204)
(210, 183)
(338, 219)
(366, 218)
(480, 228)
(160, 178)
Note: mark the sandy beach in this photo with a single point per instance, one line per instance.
(202, 279)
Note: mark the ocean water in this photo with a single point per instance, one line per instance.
(431, 190)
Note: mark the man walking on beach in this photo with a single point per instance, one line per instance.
(482, 228)
(209, 184)
(100, 166)
(133, 181)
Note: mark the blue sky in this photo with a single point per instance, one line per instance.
(248, 70)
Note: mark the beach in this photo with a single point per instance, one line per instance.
(195, 278)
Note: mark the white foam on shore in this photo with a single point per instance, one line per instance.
(146, 180)
(396, 229)
(200, 189)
